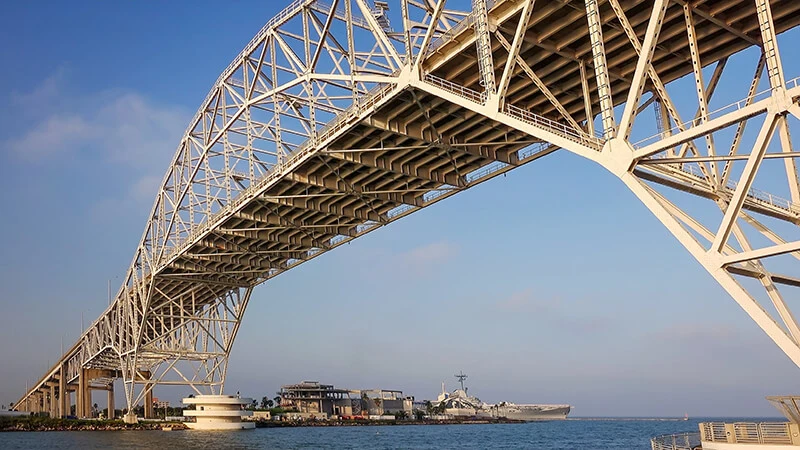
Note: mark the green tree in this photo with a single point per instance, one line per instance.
(419, 414)
(190, 406)
(277, 400)
(265, 402)
(269, 404)
(428, 407)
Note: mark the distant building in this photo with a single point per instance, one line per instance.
(260, 415)
(324, 400)
(379, 402)
(315, 398)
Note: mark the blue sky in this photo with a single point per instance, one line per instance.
(552, 284)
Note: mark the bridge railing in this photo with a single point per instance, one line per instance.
(524, 115)
(457, 89)
(557, 127)
(758, 195)
(681, 441)
(713, 114)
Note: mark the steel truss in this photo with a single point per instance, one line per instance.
(330, 124)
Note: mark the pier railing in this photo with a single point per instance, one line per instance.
(682, 441)
(775, 433)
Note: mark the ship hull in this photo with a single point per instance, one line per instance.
(531, 413)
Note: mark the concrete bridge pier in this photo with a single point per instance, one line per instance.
(111, 405)
(87, 400)
(52, 403)
(63, 393)
(80, 401)
(148, 402)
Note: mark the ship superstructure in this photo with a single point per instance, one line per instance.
(460, 404)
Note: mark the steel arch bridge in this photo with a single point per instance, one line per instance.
(341, 117)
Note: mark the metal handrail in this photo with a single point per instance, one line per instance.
(515, 111)
(558, 127)
(455, 88)
(752, 193)
(747, 432)
(794, 82)
(681, 441)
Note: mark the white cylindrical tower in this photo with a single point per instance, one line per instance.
(218, 412)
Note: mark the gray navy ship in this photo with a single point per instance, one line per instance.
(460, 404)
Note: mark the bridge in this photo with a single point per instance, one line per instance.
(341, 117)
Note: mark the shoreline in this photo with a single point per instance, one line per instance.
(26, 423)
(34, 423)
(12, 424)
(367, 423)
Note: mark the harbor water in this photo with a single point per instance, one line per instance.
(556, 435)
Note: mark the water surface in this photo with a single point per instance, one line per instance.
(557, 435)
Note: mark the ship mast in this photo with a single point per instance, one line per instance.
(461, 377)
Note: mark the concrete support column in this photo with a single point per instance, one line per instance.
(148, 403)
(70, 400)
(45, 400)
(80, 401)
(111, 405)
(53, 403)
(63, 393)
(87, 398)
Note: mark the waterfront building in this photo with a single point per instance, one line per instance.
(379, 402)
(311, 398)
(314, 398)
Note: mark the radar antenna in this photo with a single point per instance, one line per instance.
(461, 377)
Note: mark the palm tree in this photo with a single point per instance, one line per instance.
(277, 400)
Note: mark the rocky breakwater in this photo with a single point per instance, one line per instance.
(33, 423)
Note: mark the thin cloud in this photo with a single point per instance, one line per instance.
(429, 256)
(525, 301)
(46, 95)
(126, 128)
(51, 137)
(112, 126)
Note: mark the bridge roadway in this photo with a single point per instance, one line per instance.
(307, 142)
